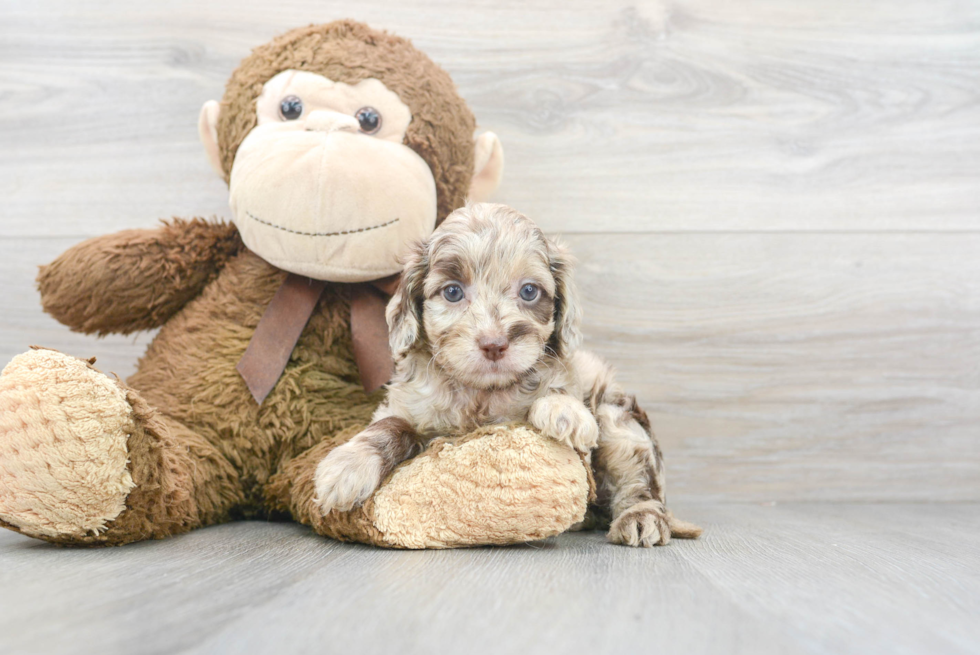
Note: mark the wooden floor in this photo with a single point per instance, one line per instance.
(802, 578)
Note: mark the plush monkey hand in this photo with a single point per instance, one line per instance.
(136, 279)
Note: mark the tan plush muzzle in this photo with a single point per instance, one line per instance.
(316, 202)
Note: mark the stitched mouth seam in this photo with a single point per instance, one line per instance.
(321, 234)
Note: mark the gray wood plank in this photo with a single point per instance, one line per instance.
(627, 116)
(806, 578)
(576, 594)
(775, 366)
(832, 366)
(842, 585)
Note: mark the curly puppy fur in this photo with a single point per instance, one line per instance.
(484, 329)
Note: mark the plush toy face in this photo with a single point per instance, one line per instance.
(324, 185)
(343, 147)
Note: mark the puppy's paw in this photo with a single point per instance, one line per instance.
(347, 477)
(565, 419)
(644, 524)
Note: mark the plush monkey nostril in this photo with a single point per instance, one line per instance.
(495, 348)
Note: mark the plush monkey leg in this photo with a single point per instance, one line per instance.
(84, 460)
(497, 485)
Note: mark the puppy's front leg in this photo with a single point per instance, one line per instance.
(630, 475)
(352, 472)
(565, 419)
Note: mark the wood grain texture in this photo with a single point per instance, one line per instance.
(823, 366)
(692, 115)
(810, 578)
(775, 203)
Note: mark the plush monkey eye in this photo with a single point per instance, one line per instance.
(529, 292)
(291, 108)
(453, 293)
(369, 118)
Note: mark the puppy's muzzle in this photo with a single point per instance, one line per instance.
(494, 348)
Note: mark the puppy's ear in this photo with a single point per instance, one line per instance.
(404, 312)
(568, 315)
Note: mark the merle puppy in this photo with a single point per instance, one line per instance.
(484, 328)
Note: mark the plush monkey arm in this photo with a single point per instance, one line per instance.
(135, 279)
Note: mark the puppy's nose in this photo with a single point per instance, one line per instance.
(493, 348)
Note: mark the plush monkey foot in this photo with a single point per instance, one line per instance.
(498, 485)
(63, 455)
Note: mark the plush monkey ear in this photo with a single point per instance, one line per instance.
(568, 315)
(404, 313)
(207, 129)
(488, 169)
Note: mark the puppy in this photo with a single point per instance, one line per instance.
(484, 328)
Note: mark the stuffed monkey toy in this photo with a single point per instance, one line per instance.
(341, 146)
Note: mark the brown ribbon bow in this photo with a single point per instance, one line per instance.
(286, 316)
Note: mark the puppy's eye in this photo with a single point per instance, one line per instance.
(291, 108)
(453, 293)
(529, 292)
(369, 118)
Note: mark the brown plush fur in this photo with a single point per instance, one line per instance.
(135, 279)
(208, 451)
(442, 126)
(190, 370)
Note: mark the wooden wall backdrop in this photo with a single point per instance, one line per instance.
(775, 202)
